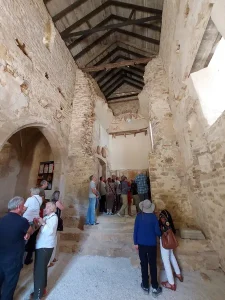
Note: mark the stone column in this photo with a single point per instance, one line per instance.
(165, 162)
(81, 159)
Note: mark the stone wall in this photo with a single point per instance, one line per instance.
(88, 130)
(37, 77)
(168, 182)
(119, 108)
(201, 144)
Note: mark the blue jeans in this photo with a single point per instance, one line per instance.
(91, 212)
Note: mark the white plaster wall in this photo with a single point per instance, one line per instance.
(218, 16)
(130, 152)
(209, 85)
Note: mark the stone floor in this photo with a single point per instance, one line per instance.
(99, 263)
(95, 278)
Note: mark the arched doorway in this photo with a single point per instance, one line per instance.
(20, 159)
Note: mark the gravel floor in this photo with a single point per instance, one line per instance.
(96, 278)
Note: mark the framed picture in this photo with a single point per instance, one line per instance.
(46, 172)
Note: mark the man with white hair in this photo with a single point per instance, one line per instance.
(14, 231)
(32, 207)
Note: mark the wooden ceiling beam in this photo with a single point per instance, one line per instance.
(113, 26)
(117, 49)
(129, 62)
(137, 7)
(114, 82)
(144, 25)
(102, 7)
(108, 33)
(83, 37)
(138, 36)
(108, 81)
(96, 42)
(93, 13)
(105, 73)
(134, 82)
(67, 10)
(129, 132)
(120, 82)
(127, 97)
(124, 73)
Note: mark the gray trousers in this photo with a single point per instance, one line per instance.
(42, 257)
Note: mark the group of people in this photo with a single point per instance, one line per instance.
(115, 195)
(147, 229)
(30, 226)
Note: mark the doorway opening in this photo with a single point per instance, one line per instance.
(20, 159)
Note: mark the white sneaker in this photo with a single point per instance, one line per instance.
(118, 214)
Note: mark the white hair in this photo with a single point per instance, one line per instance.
(35, 191)
(15, 202)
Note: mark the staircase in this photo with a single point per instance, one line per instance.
(113, 237)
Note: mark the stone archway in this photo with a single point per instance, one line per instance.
(9, 141)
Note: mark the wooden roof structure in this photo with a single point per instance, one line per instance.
(112, 40)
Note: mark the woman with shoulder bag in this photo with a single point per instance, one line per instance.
(167, 244)
(59, 208)
(31, 211)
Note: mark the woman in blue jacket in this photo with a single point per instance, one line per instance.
(146, 231)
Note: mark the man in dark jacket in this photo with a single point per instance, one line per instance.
(14, 231)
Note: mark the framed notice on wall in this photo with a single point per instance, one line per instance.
(46, 172)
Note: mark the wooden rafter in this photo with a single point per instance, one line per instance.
(67, 10)
(130, 62)
(137, 68)
(133, 82)
(98, 10)
(117, 49)
(127, 97)
(120, 82)
(96, 42)
(129, 132)
(123, 72)
(114, 26)
(143, 25)
(93, 13)
(138, 36)
(107, 34)
(83, 37)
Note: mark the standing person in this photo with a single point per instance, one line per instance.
(14, 231)
(102, 191)
(129, 199)
(32, 210)
(110, 195)
(168, 258)
(59, 207)
(135, 196)
(43, 187)
(142, 186)
(124, 191)
(93, 194)
(44, 248)
(118, 195)
(146, 231)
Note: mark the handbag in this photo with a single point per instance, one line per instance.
(169, 240)
(60, 224)
(60, 220)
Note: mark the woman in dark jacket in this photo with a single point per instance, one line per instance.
(146, 231)
(168, 258)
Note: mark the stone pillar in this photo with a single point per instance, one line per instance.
(81, 159)
(165, 162)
